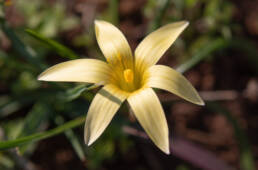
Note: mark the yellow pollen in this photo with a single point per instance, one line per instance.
(128, 75)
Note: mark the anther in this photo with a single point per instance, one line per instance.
(128, 75)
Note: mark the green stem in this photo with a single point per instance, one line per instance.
(113, 11)
(39, 136)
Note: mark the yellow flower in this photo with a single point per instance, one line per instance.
(128, 77)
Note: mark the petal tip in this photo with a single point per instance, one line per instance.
(200, 102)
(185, 24)
(97, 21)
(89, 141)
(44, 77)
(40, 77)
(165, 148)
(167, 151)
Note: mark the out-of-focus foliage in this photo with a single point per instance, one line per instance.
(46, 18)
(29, 109)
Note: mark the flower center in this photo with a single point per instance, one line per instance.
(124, 75)
(128, 75)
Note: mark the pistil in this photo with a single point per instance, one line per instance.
(128, 75)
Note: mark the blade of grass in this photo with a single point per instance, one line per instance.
(160, 14)
(215, 45)
(73, 93)
(246, 157)
(16, 64)
(42, 135)
(27, 52)
(72, 138)
(34, 121)
(10, 104)
(202, 54)
(59, 48)
(113, 11)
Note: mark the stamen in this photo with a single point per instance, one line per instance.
(119, 57)
(108, 60)
(128, 75)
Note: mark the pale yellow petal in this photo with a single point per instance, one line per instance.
(148, 111)
(113, 44)
(81, 70)
(155, 44)
(102, 109)
(163, 77)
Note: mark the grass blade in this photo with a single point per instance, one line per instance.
(160, 15)
(74, 93)
(113, 11)
(59, 48)
(72, 138)
(34, 122)
(43, 135)
(242, 45)
(202, 54)
(27, 52)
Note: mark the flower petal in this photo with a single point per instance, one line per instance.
(102, 109)
(81, 70)
(155, 44)
(163, 77)
(148, 111)
(113, 44)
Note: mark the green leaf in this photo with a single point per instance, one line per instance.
(37, 115)
(59, 48)
(203, 53)
(74, 93)
(43, 135)
(113, 11)
(157, 21)
(243, 45)
(72, 138)
(6, 162)
(24, 50)
(9, 105)
(34, 121)
(15, 64)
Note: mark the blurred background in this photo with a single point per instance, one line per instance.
(43, 121)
